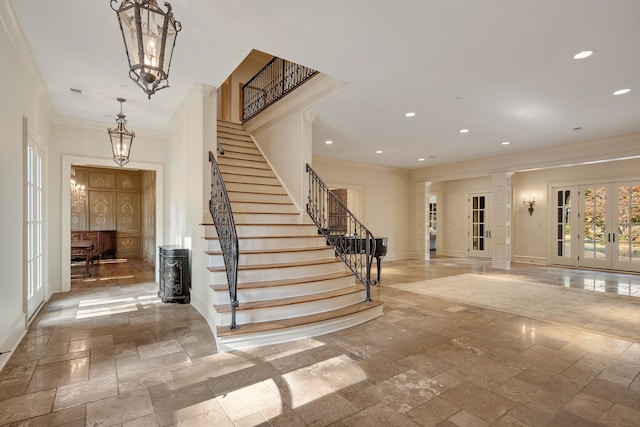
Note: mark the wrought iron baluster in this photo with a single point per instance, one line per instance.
(220, 208)
(353, 242)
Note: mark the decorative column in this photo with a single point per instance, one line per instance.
(501, 220)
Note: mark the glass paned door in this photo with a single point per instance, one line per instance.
(565, 233)
(596, 232)
(610, 226)
(34, 229)
(626, 237)
(478, 221)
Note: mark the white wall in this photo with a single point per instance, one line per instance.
(192, 136)
(388, 199)
(286, 144)
(22, 95)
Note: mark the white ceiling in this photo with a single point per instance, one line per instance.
(502, 68)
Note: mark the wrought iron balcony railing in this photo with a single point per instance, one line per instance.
(273, 82)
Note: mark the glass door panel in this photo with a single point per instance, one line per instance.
(626, 239)
(479, 231)
(564, 251)
(595, 238)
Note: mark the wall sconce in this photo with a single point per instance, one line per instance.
(529, 202)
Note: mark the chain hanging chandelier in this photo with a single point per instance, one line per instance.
(78, 192)
(121, 138)
(149, 35)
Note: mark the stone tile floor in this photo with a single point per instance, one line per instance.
(112, 355)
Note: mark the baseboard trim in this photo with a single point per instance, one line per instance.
(523, 259)
(11, 338)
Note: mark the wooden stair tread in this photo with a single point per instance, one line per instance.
(279, 265)
(275, 250)
(249, 328)
(253, 305)
(268, 237)
(283, 282)
(256, 192)
(261, 203)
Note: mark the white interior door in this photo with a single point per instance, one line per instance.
(479, 233)
(34, 228)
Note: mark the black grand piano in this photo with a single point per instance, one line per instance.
(357, 245)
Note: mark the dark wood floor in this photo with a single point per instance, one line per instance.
(112, 272)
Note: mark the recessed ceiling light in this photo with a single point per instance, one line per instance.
(328, 142)
(464, 130)
(583, 54)
(506, 143)
(421, 159)
(379, 152)
(410, 114)
(621, 91)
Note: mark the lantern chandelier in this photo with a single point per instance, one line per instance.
(121, 138)
(149, 36)
(78, 192)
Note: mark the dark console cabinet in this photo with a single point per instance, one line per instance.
(175, 274)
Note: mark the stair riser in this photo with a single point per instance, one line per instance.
(286, 291)
(249, 179)
(272, 243)
(259, 198)
(245, 171)
(276, 230)
(231, 140)
(294, 310)
(231, 150)
(254, 188)
(262, 207)
(230, 342)
(259, 230)
(275, 257)
(233, 153)
(226, 161)
(260, 218)
(269, 274)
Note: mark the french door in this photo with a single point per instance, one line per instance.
(34, 229)
(479, 233)
(598, 226)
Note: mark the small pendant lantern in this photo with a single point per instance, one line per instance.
(121, 138)
(149, 35)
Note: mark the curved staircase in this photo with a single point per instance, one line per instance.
(290, 284)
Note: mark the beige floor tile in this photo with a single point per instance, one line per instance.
(378, 415)
(482, 403)
(86, 391)
(432, 412)
(60, 373)
(26, 406)
(119, 409)
(260, 395)
(184, 404)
